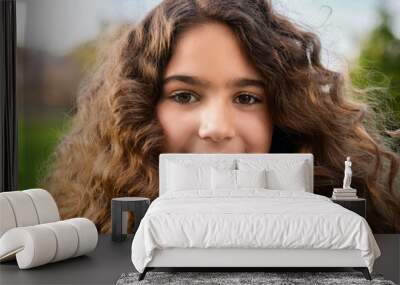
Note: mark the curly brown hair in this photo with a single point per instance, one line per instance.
(113, 146)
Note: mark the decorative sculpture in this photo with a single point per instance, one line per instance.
(347, 174)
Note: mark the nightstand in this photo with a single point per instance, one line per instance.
(357, 205)
(119, 208)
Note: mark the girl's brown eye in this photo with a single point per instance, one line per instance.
(183, 97)
(246, 99)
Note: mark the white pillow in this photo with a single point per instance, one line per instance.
(223, 179)
(181, 177)
(293, 179)
(193, 174)
(281, 174)
(235, 179)
(251, 178)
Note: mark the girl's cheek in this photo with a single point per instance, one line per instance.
(255, 129)
(179, 125)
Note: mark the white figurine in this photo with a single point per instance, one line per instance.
(347, 174)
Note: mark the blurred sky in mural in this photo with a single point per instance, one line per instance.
(57, 26)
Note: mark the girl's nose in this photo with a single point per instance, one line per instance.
(217, 123)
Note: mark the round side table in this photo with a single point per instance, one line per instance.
(119, 216)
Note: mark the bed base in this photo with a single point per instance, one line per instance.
(364, 270)
(245, 259)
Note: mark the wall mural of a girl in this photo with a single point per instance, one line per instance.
(216, 76)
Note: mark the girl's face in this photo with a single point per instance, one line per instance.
(213, 99)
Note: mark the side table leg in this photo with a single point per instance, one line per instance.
(139, 212)
(116, 220)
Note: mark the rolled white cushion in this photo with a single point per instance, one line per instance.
(23, 208)
(33, 245)
(87, 235)
(40, 244)
(67, 239)
(7, 218)
(46, 207)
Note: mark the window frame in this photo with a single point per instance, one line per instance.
(8, 119)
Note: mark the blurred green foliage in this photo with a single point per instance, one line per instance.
(85, 54)
(39, 135)
(378, 73)
(37, 138)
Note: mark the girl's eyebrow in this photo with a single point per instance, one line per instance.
(236, 82)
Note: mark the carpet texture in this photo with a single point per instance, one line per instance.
(225, 278)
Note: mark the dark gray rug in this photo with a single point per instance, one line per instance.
(229, 278)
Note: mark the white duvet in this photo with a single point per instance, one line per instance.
(252, 218)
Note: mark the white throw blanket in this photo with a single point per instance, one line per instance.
(252, 218)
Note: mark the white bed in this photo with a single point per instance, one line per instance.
(282, 224)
